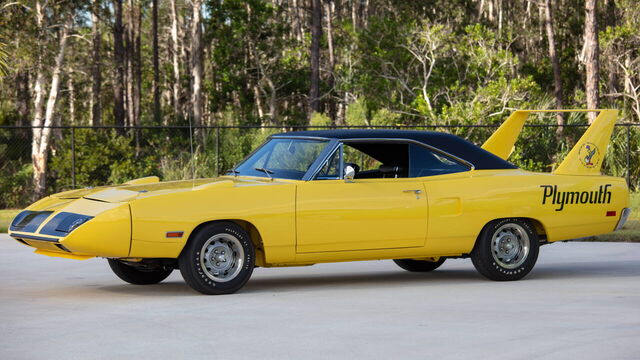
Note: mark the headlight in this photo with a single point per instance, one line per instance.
(29, 221)
(64, 223)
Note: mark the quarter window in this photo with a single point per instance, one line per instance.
(424, 162)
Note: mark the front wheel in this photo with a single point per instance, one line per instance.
(219, 259)
(138, 275)
(506, 250)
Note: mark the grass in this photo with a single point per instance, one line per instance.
(630, 232)
(5, 219)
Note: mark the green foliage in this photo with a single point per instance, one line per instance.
(15, 186)
(407, 64)
(319, 120)
(356, 114)
(385, 117)
(6, 216)
(95, 152)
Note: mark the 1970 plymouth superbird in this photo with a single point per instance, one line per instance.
(339, 195)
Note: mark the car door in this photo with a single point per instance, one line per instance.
(361, 214)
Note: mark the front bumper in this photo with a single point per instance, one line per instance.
(78, 229)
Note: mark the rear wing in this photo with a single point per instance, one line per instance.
(585, 158)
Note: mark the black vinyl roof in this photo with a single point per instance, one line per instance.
(454, 145)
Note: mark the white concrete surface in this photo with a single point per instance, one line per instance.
(582, 301)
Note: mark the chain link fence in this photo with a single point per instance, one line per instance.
(83, 156)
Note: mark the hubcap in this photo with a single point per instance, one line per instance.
(510, 245)
(222, 257)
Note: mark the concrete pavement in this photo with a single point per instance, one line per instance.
(582, 301)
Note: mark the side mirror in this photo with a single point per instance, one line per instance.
(349, 173)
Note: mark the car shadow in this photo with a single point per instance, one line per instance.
(166, 288)
(317, 281)
(391, 279)
(275, 283)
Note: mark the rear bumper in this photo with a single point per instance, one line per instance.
(624, 215)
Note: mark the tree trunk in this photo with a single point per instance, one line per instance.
(612, 79)
(175, 60)
(39, 89)
(129, 56)
(273, 101)
(331, 103)
(258, 98)
(71, 92)
(96, 71)
(119, 64)
(557, 78)
(297, 25)
(156, 64)
(196, 63)
(316, 34)
(591, 58)
(137, 62)
(364, 13)
(23, 97)
(354, 13)
(137, 70)
(42, 126)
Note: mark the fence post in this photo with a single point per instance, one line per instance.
(73, 157)
(218, 150)
(629, 155)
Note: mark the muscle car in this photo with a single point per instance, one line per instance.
(308, 197)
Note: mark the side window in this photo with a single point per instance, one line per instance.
(360, 160)
(424, 162)
(377, 159)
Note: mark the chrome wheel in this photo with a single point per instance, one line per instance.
(222, 257)
(510, 245)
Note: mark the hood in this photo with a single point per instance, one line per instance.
(128, 192)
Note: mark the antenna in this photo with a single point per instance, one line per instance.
(193, 158)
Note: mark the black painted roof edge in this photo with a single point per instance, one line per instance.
(455, 145)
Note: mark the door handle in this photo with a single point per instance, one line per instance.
(416, 191)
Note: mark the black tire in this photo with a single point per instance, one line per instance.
(419, 265)
(506, 250)
(138, 276)
(204, 273)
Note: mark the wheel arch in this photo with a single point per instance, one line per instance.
(250, 228)
(537, 225)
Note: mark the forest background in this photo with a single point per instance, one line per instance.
(97, 92)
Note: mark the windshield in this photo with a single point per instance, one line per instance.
(281, 158)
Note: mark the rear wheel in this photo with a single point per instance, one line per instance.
(506, 250)
(219, 259)
(419, 265)
(138, 275)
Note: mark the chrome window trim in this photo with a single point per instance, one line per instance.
(340, 170)
(403, 140)
(317, 138)
(340, 142)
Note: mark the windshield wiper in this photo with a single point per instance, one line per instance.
(234, 172)
(266, 171)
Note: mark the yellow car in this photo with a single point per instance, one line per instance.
(339, 195)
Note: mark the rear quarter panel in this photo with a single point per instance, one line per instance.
(461, 204)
